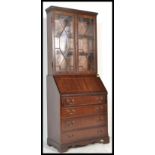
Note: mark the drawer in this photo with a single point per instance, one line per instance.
(83, 110)
(83, 100)
(78, 135)
(84, 122)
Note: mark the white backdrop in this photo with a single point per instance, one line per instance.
(104, 44)
(20, 75)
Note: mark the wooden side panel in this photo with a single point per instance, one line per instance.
(49, 43)
(53, 110)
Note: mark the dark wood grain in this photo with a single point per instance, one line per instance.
(64, 147)
(79, 84)
(74, 136)
(83, 110)
(63, 9)
(83, 100)
(84, 122)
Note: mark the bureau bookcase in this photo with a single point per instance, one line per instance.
(76, 96)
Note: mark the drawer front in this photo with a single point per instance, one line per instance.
(83, 110)
(83, 100)
(74, 136)
(84, 122)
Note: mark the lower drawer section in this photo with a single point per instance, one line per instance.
(83, 100)
(84, 122)
(83, 111)
(77, 135)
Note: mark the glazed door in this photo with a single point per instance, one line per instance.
(64, 45)
(86, 50)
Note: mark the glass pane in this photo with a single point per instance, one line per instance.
(64, 43)
(86, 44)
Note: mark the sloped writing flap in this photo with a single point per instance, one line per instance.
(79, 84)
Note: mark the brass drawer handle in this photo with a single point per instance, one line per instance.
(70, 101)
(70, 123)
(71, 111)
(100, 118)
(67, 100)
(73, 122)
(99, 131)
(100, 99)
(70, 136)
(99, 108)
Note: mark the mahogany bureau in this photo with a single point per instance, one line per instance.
(76, 96)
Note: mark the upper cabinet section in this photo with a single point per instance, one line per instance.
(71, 41)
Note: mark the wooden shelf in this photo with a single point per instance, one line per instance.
(58, 35)
(86, 53)
(81, 36)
